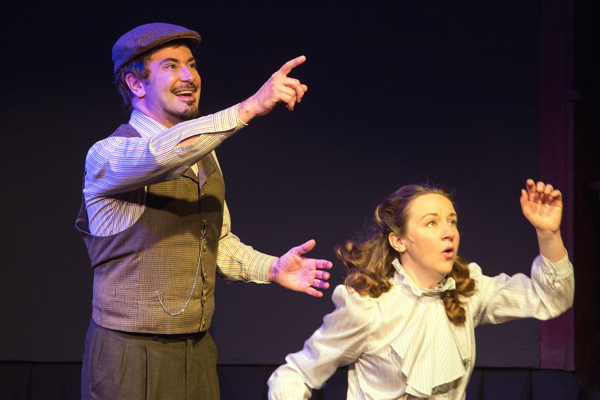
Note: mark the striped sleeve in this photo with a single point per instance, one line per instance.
(237, 261)
(547, 294)
(340, 340)
(118, 164)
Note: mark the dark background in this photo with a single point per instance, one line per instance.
(399, 92)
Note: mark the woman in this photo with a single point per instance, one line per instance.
(405, 317)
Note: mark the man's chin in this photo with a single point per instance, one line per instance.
(188, 114)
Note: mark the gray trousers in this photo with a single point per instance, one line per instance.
(132, 366)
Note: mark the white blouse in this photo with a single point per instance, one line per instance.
(402, 345)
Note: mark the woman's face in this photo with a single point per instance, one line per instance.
(428, 249)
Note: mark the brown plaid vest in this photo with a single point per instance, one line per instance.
(158, 275)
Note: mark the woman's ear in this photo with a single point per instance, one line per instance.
(137, 86)
(397, 242)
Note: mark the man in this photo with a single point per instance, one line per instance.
(157, 228)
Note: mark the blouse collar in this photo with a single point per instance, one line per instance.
(447, 283)
(432, 349)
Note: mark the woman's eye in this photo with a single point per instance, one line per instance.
(453, 222)
(431, 223)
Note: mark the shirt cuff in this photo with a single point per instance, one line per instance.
(258, 268)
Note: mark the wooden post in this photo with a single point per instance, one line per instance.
(556, 155)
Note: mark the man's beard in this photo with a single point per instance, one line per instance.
(191, 112)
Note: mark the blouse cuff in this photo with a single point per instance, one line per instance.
(559, 269)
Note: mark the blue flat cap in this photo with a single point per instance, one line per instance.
(147, 37)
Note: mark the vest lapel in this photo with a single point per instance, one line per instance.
(206, 166)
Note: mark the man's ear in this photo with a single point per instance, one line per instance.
(137, 86)
(397, 242)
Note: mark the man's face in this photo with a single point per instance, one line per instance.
(172, 92)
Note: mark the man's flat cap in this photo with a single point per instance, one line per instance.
(147, 37)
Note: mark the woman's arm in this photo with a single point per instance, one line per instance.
(542, 206)
(549, 292)
(339, 341)
(546, 294)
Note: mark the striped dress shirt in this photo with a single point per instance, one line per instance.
(119, 169)
(402, 345)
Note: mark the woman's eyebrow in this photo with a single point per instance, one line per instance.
(436, 215)
(428, 214)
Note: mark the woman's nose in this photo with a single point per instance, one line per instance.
(449, 231)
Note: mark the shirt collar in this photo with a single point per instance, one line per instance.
(144, 125)
(405, 280)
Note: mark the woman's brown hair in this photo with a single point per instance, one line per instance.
(369, 262)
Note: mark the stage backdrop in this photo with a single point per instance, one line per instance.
(399, 92)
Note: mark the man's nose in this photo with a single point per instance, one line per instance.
(186, 75)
